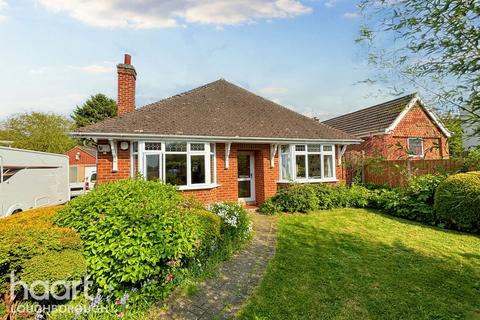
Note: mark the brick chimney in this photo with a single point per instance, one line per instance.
(126, 86)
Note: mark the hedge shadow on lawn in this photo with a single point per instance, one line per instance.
(320, 274)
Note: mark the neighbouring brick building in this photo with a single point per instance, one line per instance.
(396, 130)
(82, 161)
(217, 142)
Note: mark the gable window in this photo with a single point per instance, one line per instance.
(415, 147)
(311, 162)
(179, 163)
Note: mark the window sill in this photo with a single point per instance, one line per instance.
(198, 187)
(307, 181)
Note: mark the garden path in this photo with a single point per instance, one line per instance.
(223, 296)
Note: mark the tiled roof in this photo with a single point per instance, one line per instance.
(372, 119)
(218, 109)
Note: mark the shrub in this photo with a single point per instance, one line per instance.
(35, 249)
(209, 230)
(423, 187)
(398, 203)
(457, 201)
(472, 161)
(297, 198)
(236, 223)
(305, 198)
(269, 207)
(132, 231)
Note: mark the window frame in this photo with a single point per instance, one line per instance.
(292, 149)
(207, 153)
(421, 144)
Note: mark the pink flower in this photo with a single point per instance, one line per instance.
(173, 263)
(168, 278)
(120, 314)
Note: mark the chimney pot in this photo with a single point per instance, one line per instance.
(127, 59)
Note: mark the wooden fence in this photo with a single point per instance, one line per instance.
(396, 172)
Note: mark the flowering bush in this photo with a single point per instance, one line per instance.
(132, 231)
(236, 223)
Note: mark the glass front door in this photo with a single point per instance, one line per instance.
(246, 174)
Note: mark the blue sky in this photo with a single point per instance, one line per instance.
(301, 54)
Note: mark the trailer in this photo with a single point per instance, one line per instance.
(31, 179)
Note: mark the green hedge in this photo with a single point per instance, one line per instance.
(35, 249)
(457, 201)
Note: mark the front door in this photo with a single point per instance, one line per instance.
(246, 177)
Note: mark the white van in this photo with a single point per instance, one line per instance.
(31, 179)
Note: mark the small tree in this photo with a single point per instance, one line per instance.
(97, 108)
(455, 142)
(39, 131)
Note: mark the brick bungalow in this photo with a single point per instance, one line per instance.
(396, 129)
(217, 142)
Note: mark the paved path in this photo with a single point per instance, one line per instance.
(223, 296)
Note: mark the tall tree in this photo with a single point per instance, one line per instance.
(431, 44)
(97, 108)
(39, 131)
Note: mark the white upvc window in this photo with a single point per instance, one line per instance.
(415, 147)
(180, 163)
(307, 162)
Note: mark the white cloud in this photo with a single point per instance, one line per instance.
(3, 7)
(330, 3)
(351, 15)
(105, 67)
(164, 14)
(273, 90)
(95, 68)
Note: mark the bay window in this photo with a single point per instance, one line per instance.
(181, 163)
(313, 162)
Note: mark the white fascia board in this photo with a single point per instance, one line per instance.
(146, 137)
(410, 105)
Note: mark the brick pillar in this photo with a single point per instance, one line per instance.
(126, 86)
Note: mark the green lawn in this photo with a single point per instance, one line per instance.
(358, 264)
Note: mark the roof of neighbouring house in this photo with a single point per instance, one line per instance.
(90, 150)
(217, 109)
(380, 118)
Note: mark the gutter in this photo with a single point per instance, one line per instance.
(142, 136)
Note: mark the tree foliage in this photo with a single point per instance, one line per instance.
(432, 44)
(454, 124)
(38, 131)
(97, 108)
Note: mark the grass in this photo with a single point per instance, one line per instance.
(358, 264)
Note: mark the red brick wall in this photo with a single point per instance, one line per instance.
(415, 124)
(126, 89)
(104, 165)
(85, 157)
(265, 177)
